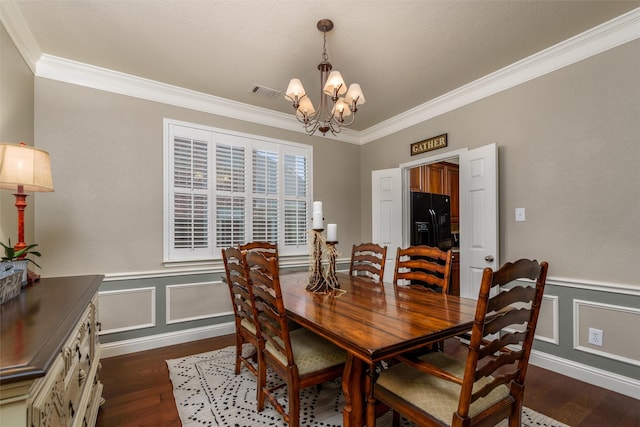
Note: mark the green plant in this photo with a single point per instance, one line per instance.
(10, 254)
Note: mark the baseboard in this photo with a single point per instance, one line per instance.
(588, 374)
(118, 348)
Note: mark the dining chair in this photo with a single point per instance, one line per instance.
(368, 259)
(299, 357)
(424, 266)
(435, 389)
(243, 309)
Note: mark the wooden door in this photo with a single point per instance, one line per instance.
(478, 216)
(386, 214)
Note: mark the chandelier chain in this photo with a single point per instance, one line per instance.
(325, 57)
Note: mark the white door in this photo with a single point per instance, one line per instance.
(478, 216)
(386, 214)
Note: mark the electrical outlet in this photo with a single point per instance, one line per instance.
(520, 217)
(595, 336)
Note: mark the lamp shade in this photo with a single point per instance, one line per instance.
(27, 166)
(305, 110)
(341, 109)
(354, 94)
(294, 90)
(335, 83)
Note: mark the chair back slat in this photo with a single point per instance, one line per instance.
(368, 259)
(515, 317)
(517, 294)
(425, 266)
(496, 318)
(267, 249)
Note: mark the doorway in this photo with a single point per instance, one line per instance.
(478, 210)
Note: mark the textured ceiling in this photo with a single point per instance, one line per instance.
(403, 53)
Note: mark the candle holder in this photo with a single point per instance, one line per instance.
(331, 279)
(316, 281)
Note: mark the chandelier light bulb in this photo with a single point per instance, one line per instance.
(354, 94)
(295, 90)
(305, 110)
(335, 85)
(341, 109)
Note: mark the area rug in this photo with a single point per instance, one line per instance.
(208, 393)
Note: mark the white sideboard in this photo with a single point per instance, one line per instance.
(50, 354)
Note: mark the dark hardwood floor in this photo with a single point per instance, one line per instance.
(138, 391)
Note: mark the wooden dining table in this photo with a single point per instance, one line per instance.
(373, 322)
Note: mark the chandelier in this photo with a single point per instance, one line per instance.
(338, 106)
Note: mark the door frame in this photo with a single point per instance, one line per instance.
(404, 173)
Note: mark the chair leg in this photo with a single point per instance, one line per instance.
(294, 402)
(238, 352)
(515, 417)
(262, 380)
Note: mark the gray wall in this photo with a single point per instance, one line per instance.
(16, 125)
(569, 152)
(106, 154)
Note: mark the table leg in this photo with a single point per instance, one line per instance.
(353, 392)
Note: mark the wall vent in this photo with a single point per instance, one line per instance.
(265, 92)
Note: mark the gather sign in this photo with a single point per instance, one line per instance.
(434, 143)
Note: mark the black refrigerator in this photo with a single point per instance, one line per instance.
(431, 220)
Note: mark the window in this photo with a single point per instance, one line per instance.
(224, 188)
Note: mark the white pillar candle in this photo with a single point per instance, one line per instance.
(317, 221)
(317, 207)
(332, 232)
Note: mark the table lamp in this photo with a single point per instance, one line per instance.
(24, 168)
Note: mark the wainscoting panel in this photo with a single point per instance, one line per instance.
(547, 329)
(127, 309)
(194, 301)
(620, 326)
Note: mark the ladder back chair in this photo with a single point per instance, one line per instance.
(435, 389)
(368, 259)
(300, 357)
(425, 266)
(243, 310)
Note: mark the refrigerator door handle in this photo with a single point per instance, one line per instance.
(435, 229)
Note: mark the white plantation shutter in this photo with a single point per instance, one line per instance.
(296, 190)
(189, 197)
(230, 195)
(226, 189)
(265, 195)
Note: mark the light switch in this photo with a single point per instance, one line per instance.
(520, 214)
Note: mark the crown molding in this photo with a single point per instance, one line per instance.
(77, 73)
(618, 31)
(20, 34)
(608, 35)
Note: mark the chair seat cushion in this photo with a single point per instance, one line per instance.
(310, 352)
(433, 395)
(248, 325)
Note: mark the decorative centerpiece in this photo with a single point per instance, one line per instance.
(316, 282)
(319, 281)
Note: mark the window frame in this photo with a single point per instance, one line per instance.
(214, 136)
